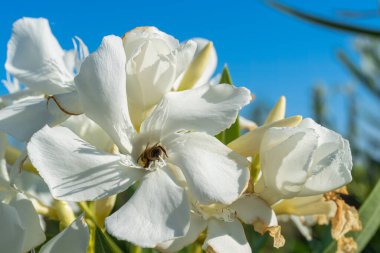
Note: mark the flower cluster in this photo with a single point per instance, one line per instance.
(141, 113)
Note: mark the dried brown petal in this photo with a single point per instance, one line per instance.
(343, 190)
(278, 239)
(346, 219)
(346, 245)
(274, 232)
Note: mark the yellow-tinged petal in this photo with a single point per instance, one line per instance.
(196, 68)
(11, 155)
(301, 206)
(278, 111)
(103, 208)
(64, 212)
(249, 143)
(247, 124)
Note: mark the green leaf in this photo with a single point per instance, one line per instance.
(323, 21)
(104, 243)
(233, 131)
(370, 218)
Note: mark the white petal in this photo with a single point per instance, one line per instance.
(303, 161)
(158, 211)
(33, 184)
(10, 98)
(285, 156)
(303, 228)
(11, 230)
(212, 60)
(150, 69)
(155, 60)
(197, 225)
(249, 144)
(23, 118)
(149, 77)
(213, 172)
(62, 106)
(102, 90)
(251, 209)
(133, 40)
(11, 84)
(73, 239)
(247, 124)
(35, 57)
(210, 109)
(34, 235)
(74, 58)
(332, 162)
(76, 171)
(82, 49)
(226, 237)
(89, 131)
(69, 58)
(303, 206)
(182, 57)
(7, 192)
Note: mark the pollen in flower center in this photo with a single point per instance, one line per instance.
(152, 154)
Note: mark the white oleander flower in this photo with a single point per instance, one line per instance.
(157, 63)
(175, 143)
(302, 161)
(35, 58)
(225, 232)
(297, 158)
(298, 161)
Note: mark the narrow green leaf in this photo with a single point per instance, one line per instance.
(104, 243)
(370, 218)
(323, 21)
(233, 131)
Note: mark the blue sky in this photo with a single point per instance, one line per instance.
(271, 53)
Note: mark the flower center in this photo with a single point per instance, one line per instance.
(152, 154)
